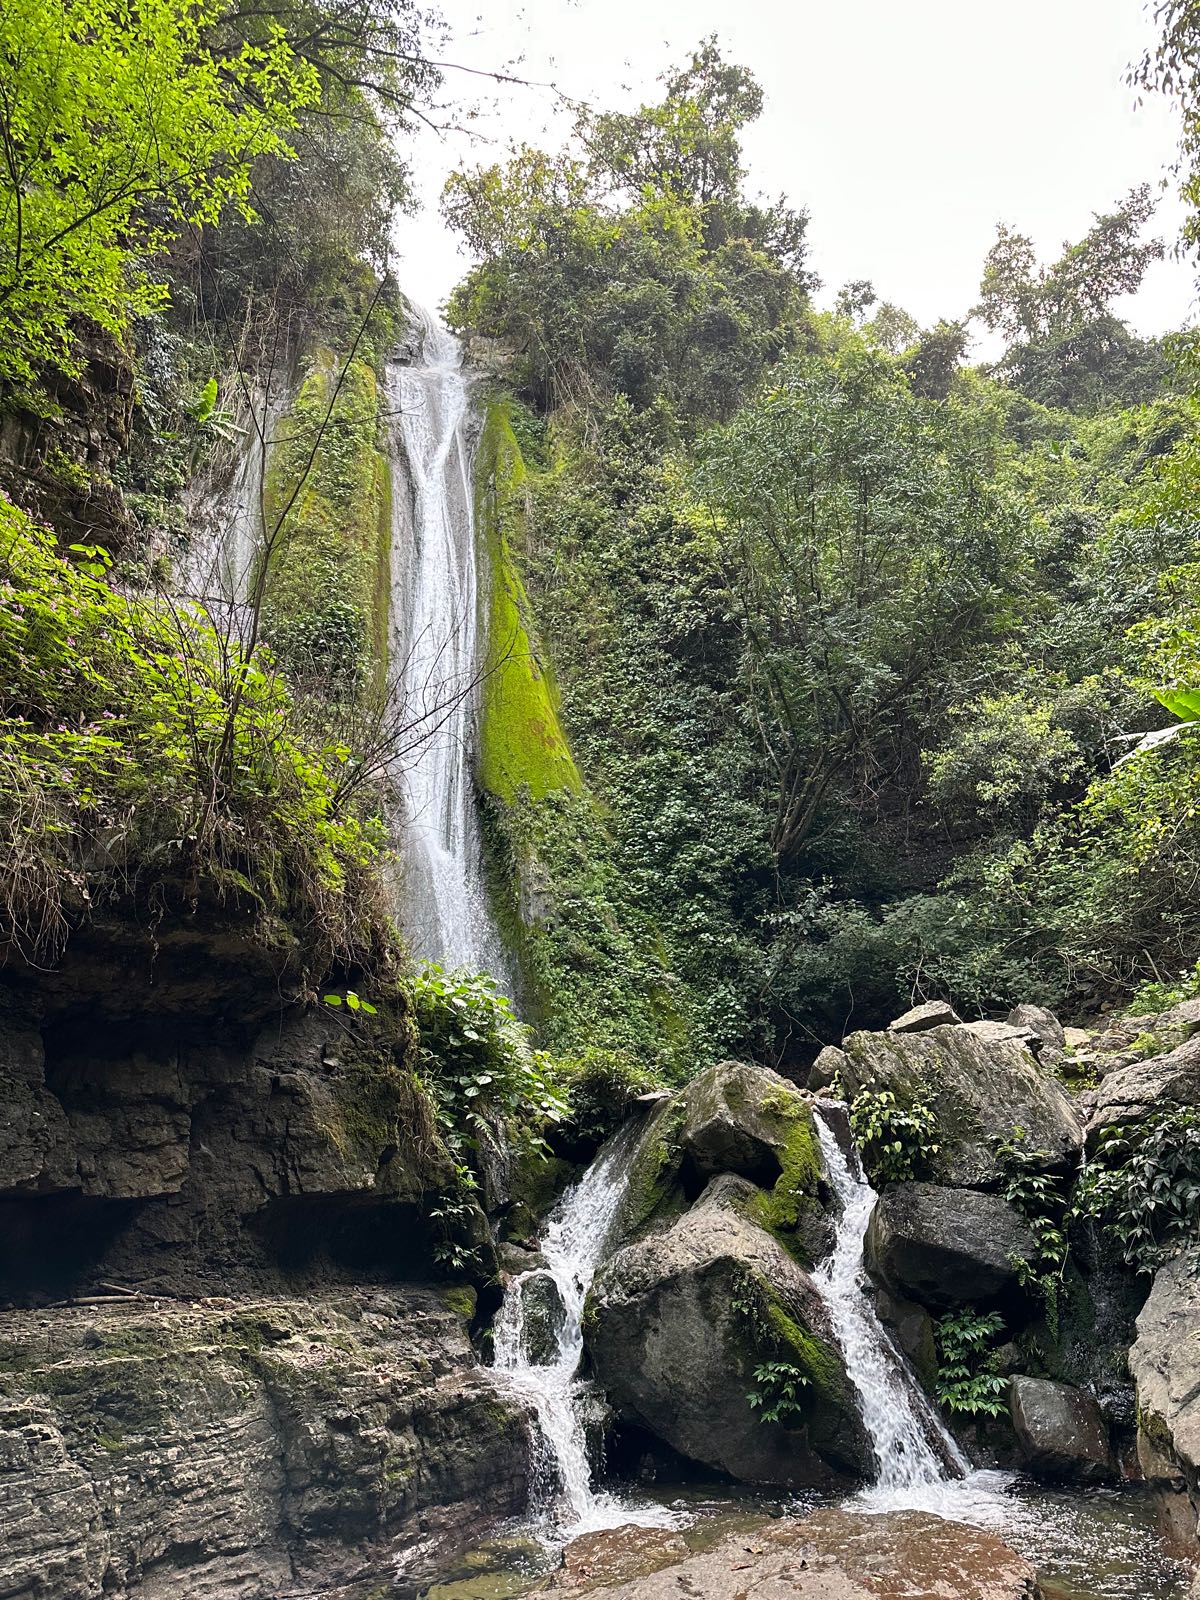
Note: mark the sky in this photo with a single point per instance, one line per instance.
(906, 128)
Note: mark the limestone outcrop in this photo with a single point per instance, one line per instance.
(830, 1555)
(244, 1447)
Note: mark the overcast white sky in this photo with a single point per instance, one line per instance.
(908, 128)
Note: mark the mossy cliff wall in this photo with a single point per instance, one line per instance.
(591, 959)
(328, 521)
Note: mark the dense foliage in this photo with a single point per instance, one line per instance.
(848, 636)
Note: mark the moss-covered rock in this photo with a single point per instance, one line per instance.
(679, 1324)
(522, 744)
(328, 584)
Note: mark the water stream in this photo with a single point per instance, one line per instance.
(913, 1449)
(438, 652)
(538, 1344)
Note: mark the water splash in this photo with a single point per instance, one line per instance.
(542, 1362)
(435, 635)
(914, 1452)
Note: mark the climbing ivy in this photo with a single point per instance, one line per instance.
(967, 1382)
(897, 1141)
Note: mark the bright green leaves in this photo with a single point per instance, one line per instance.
(968, 1384)
(896, 1139)
(133, 738)
(352, 1002)
(119, 126)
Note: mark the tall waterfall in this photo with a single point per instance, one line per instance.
(538, 1343)
(438, 652)
(913, 1449)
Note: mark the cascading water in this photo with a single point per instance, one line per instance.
(435, 635)
(225, 523)
(913, 1450)
(539, 1356)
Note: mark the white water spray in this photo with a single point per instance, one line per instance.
(572, 1247)
(913, 1449)
(435, 634)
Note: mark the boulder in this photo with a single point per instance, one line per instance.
(947, 1247)
(1165, 1364)
(980, 1088)
(1041, 1022)
(1060, 1431)
(829, 1555)
(738, 1119)
(911, 1327)
(677, 1323)
(825, 1068)
(1125, 1096)
(545, 1316)
(933, 1014)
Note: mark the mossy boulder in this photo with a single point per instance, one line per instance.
(948, 1247)
(738, 1119)
(980, 1085)
(678, 1324)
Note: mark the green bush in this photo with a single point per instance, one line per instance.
(1143, 1184)
(967, 1383)
(483, 1073)
(897, 1142)
(141, 752)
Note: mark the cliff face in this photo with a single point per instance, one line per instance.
(228, 1367)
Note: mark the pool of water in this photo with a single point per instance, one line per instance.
(1093, 1544)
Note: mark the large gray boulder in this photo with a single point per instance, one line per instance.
(677, 1323)
(980, 1088)
(1060, 1431)
(1041, 1022)
(933, 1014)
(1130, 1093)
(947, 1247)
(1165, 1365)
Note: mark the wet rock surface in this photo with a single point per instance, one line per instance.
(830, 1555)
(947, 1247)
(1060, 1431)
(243, 1448)
(677, 1323)
(1165, 1365)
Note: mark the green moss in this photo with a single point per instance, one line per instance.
(792, 1212)
(653, 1190)
(522, 744)
(819, 1364)
(462, 1300)
(328, 586)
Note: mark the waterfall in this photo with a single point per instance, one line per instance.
(912, 1446)
(538, 1343)
(225, 534)
(438, 652)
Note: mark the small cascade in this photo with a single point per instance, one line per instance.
(226, 521)
(914, 1451)
(438, 653)
(538, 1343)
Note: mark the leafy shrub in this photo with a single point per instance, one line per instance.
(967, 1383)
(600, 1085)
(478, 1061)
(779, 1392)
(897, 1142)
(1157, 996)
(1038, 1196)
(1143, 1183)
(140, 751)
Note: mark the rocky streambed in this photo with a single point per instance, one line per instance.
(228, 1369)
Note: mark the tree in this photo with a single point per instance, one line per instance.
(863, 547)
(119, 126)
(630, 262)
(1066, 345)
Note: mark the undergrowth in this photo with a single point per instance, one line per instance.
(141, 753)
